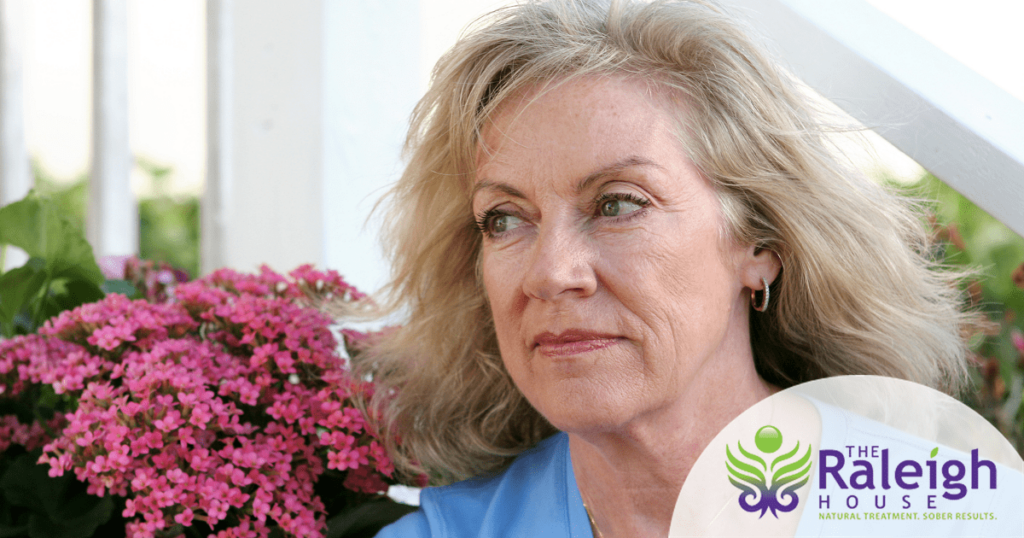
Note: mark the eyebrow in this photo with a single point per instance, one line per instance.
(629, 162)
(612, 169)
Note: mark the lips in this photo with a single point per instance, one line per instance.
(572, 342)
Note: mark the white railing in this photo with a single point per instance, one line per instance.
(303, 131)
(955, 123)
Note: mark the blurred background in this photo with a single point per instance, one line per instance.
(312, 99)
(360, 66)
(210, 133)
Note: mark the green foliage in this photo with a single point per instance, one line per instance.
(61, 273)
(169, 232)
(70, 199)
(988, 245)
(367, 519)
(39, 506)
(168, 225)
(974, 239)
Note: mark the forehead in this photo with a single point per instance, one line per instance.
(582, 121)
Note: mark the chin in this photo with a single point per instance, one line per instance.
(586, 413)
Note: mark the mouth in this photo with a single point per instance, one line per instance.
(572, 342)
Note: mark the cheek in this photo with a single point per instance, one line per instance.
(679, 286)
(663, 271)
(499, 278)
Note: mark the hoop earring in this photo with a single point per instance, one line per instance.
(764, 298)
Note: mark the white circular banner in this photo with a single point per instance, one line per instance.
(855, 456)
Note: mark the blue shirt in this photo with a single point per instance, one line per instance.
(536, 497)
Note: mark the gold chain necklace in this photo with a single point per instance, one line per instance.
(593, 524)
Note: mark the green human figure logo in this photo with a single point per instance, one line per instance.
(767, 486)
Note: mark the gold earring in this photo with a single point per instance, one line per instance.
(764, 298)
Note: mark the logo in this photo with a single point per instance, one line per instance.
(750, 473)
(875, 469)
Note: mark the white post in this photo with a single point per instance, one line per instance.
(368, 97)
(216, 216)
(319, 94)
(112, 223)
(275, 149)
(15, 172)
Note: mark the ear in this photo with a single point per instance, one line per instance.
(758, 263)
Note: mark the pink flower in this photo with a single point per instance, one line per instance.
(347, 458)
(1018, 340)
(185, 518)
(169, 422)
(223, 396)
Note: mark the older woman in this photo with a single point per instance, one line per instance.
(621, 226)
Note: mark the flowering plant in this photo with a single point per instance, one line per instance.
(972, 239)
(221, 406)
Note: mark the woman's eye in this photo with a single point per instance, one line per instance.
(503, 223)
(615, 207)
(496, 223)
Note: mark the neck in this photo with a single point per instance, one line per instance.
(630, 476)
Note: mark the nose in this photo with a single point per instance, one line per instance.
(561, 265)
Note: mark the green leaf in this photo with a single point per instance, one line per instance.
(752, 456)
(60, 507)
(35, 225)
(47, 402)
(80, 292)
(175, 531)
(119, 286)
(20, 225)
(786, 456)
(17, 288)
(366, 519)
(10, 532)
(63, 294)
(29, 485)
(737, 475)
(84, 514)
(935, 451)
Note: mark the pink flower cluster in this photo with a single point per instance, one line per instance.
(223, 404)
(30, 436)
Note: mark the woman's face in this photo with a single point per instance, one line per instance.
(613, 286)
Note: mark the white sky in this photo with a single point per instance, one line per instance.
(167, 71)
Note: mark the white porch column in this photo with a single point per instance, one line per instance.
(372, 81)
(317, 94)
(273, 183)
(216, 202)
(15, 172)
(112, 221)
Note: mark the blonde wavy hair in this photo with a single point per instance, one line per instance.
(858, 293)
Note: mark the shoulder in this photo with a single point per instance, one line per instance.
(533, 497)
